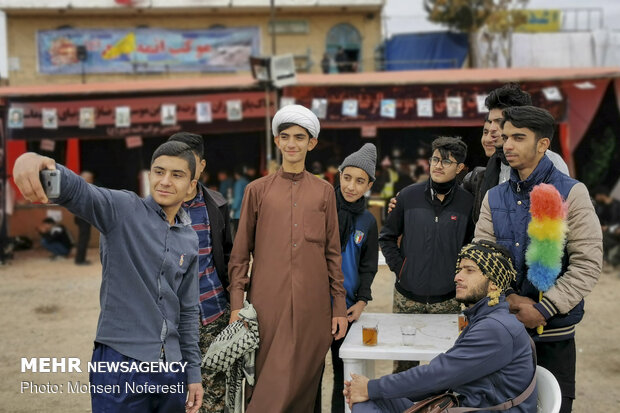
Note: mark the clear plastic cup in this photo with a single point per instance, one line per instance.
(408, 335)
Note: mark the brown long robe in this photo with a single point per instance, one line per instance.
(289, 224)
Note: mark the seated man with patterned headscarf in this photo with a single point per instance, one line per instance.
(491, 361)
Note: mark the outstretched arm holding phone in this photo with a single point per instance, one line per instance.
(149, 290)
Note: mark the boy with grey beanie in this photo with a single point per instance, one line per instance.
(359, 245)
(365, 159)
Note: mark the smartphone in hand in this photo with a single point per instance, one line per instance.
(50, 179)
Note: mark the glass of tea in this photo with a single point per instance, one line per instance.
(462, 322)
(370, 333)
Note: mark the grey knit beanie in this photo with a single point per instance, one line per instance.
(365, 159)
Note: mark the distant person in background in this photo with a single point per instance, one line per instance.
(317, 169)
(8, 193)
(226, 185)
(342, 61)
(251, 173)
(325, 63)
(331, 172)
(83, 229)
(55, 238)
(272, 167)
(206, 179)
(608, 212)
(607, 208)
(404, 175)
(419, 175)
(241, 181)
(422, 158)
(384, 185)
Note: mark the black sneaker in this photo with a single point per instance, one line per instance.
(86, 262)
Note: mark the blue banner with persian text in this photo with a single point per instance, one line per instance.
(69, 51)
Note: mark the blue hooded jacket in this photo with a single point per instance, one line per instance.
(491, 361)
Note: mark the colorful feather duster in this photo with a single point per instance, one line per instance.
(547, 232)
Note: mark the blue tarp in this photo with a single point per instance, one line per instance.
(421, 51)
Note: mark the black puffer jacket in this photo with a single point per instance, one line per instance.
(433, 234)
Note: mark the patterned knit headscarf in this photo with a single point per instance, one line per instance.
(494, 261)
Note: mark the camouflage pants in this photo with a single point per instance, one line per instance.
(403, 305)
(213, 383)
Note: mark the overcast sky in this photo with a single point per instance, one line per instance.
(406, 16)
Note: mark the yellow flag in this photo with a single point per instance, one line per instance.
(124, 46)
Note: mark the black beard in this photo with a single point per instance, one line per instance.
(475, 296)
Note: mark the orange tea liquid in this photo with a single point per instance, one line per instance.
(369, 336)
(462, 322)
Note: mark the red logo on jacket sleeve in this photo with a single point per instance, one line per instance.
(453, 217)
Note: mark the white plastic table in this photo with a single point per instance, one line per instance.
(435, 334)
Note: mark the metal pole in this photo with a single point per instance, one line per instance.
(268, 153)
(272, 24)
(268, 137)
(3, 175)
(509, 54)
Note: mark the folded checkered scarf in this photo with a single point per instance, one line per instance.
(233, 352)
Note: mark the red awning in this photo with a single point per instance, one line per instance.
(577, 107)
(584, 99)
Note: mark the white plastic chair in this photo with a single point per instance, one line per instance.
(549, 395)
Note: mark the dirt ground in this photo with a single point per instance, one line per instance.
(50, 309)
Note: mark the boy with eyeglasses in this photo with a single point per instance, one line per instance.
(434, 219)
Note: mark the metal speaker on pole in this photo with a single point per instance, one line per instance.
(272, 72)
(261, 69)
(283, 70)
(277, 71)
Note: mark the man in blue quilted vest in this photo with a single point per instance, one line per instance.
(527, 132)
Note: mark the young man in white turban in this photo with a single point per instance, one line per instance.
(289, 226)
